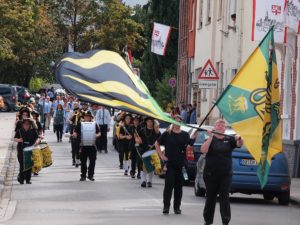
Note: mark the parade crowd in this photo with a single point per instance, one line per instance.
(138, 141)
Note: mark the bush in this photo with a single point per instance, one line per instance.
(36, 83)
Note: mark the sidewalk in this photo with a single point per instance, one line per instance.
(7, 124)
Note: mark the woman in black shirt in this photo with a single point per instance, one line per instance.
(124, 143)
(218, 171)
(146, 139)
(175, 141)
(25, 137)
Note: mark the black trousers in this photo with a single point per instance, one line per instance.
(102, 141)
(217, 184)
(75, 145)
(136, 161)
(173, 180)
(88, 152)
(59, 131)
(23, 175)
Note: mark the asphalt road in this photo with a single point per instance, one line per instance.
(57, 197)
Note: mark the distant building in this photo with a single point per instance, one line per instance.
(221, 31)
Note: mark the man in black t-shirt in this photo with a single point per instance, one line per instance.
(87, 151)
(175, 141)
(218, 171)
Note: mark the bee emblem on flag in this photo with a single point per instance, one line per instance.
(238, 104)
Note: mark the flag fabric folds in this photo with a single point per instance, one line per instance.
(268, 13)
(103, 77)
(251, 105)
(293, 15)
(160, 37)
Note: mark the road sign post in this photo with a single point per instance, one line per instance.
(172, 84)
(208, 77)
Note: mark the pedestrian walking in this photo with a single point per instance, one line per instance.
(47, 112)
(67, 113)
(58, 121)
(218, 171)
(103, 120)
(25, 137)
(38, 107)
(183, 113)
(175, 141)
(88, 145)
(146, 139)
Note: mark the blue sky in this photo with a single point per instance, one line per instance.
(134, 2)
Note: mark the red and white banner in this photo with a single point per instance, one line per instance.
(160, 37)
(293, 15)
(268, 13)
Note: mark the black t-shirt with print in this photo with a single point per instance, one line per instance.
(175, 146)
(219, 155)
(29, 138)
(149, 137)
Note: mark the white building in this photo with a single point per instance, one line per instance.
(223, 35)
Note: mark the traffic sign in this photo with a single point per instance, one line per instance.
(208, 72)
(172, 82)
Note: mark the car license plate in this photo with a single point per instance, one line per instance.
(248, 162)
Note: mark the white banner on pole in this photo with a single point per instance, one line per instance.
(160, 36)
(268, 13)
(293, 15)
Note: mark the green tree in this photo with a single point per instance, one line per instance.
(32, 41)
(114, 29)
(155, 66)
(163, 93)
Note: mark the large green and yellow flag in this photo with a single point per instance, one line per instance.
(251, 105)
(103, 77)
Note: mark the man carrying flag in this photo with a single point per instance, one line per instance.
(251, 105)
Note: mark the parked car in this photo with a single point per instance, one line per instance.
(23, 94)
(193, 153)
(245, 180)
(10, 97)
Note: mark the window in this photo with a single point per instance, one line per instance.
(233, 10)
(4, 90)
(220, 9)
(208, 12)
(200, 15)
(192, 18)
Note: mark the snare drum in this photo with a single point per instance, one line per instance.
(46, 155)
(27, 157)
(37, 160)
(151, 161)
(88, 133)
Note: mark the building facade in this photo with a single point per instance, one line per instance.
(221, 31)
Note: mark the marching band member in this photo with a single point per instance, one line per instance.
(23, 113)
(103, 120)
(35, 116)
(125, 139)
(136, 161)
(25, 137)
(175, 141)
(146, 139)
(87, 150)
(75, 143)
